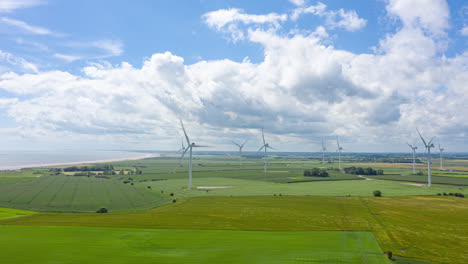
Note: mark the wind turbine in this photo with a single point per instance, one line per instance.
(414, 148)
(339, 149)
(428, 150)
(441, 150)
(323, 150)
(190, 146)
(265, 146)
(240, 150)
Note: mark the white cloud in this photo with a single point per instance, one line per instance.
(10, 5)
(464, 31)
(229, 20)
(97, 48)
(429, 15)
(301, 89)
(26, 27)
(65, 57)
(297, 2)
(348, 20)
(9, 62)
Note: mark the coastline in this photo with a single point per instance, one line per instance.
(46, 165)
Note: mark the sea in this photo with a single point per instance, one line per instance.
(16, 159)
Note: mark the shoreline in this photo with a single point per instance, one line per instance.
(43, 165)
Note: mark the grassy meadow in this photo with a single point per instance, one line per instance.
(154, 217)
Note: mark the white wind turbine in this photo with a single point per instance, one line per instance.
(190, 146)
(240, 150)
(339, 149)
(414, 148)
(323, 150)
(441, 150)
(428, 146)
(265, 146)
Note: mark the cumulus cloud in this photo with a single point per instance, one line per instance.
(302, 88)
(428, 15)
(464, 31)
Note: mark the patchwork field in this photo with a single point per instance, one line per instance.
(68, 193)
(121, 245)
(153, 216)
(427, 228)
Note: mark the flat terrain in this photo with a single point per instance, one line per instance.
(121, 245)
(9, 213)
(427, 228)
(410, 220)
(72, 194)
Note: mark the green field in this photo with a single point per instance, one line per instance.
(123, 245)
(9, 213)
(428, 228)
(69, 193)
(414, 223)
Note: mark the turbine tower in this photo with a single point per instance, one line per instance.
(441, 150)
(414, 148)
(265, 146)
(428, 147)
(190, 146)
(339, 149)
(323, 150)
(240, 150)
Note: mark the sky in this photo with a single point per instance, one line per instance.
(120, 74)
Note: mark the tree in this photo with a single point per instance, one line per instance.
(102, 210)
(377, 193)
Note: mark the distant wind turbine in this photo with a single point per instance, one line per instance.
(441, 150)
(414, 148)
(339, 149)
(323, 150)
(265, 146)
(190, 146)
(428, 146)
(240, 150)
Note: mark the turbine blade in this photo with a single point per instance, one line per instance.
(337, 142)
(430, 142)
(200, 146)
(236, 144)
(270, 147)
(185, 151)
(244, 143)
(261, 148)
(424, 141)
(185, 133)
(263, 136)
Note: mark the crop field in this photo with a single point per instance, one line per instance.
(151, 213)
(405, 225)
(9, 213)
(69, 193)
(121, 245)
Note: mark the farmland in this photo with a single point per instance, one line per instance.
(120, 245)
(410, 219)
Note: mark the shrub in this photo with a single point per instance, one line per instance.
(389, 254)
(174, 200)
(172, 194)
(445, 194)
(450, 194)
(149, 187)
(439, 194)
(377, 193)
(102, 211)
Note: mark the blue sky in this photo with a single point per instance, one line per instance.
(115, 74)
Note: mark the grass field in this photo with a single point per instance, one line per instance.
(121, 245)
(433, 229)
(69, 193)
(8, 213)
(328, 188)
